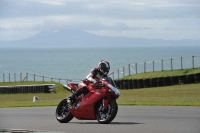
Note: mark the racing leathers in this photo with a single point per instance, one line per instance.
(93, 77)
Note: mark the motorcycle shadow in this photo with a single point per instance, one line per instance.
(112, 123)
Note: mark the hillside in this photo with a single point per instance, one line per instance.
(77, 38)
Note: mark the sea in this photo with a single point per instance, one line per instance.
(74, 63)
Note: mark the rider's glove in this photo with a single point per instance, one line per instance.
(95, 83)
(101, 84)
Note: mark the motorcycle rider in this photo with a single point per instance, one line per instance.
(93, 77)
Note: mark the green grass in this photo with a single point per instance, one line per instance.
(26, 99)
(178, 95)
(164, 73)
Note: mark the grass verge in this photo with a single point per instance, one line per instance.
(178, 95)
(164, 73)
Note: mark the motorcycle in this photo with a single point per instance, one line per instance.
(98, 104)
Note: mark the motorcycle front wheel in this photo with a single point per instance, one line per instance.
(63, 115)
(106, 116)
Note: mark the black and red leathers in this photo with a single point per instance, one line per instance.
(93, 77)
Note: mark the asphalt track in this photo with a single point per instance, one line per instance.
(130, 119)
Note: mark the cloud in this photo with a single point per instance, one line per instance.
(113, 17)
(50, 2)
(113, 8)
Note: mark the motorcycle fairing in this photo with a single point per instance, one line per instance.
(73, 86)
(86, 108)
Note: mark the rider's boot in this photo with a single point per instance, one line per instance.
(70, 99)
(74, 96)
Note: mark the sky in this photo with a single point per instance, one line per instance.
(150, 19)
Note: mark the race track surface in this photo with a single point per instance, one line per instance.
(130, 119)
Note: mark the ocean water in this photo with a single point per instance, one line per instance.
(76, 63)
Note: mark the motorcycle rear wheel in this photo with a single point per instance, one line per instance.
(106, 116)
(63, 115)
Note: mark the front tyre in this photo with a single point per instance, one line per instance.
(106, 116)
(63, 115)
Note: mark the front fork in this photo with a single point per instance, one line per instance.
(105, 108)
(105, 104)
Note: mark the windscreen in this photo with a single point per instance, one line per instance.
(110, 81)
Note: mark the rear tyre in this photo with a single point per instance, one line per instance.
(106, 116)
(63, 115)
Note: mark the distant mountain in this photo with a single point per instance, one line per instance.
(75, 38)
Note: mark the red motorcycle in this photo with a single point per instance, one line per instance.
(99, 104)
